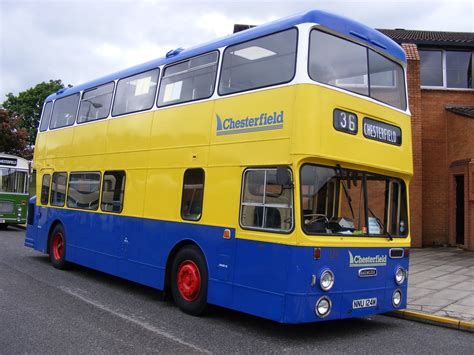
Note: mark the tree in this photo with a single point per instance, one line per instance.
(12, 136)
(27, 105)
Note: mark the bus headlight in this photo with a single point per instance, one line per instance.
(400, 275)
(397, 298)
(326, 280)
(323, 307)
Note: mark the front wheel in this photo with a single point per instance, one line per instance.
(57, 247)
(189, 280)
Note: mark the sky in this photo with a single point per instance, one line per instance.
(77, 41)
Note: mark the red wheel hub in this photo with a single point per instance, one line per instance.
(189, 280)
(58, 246)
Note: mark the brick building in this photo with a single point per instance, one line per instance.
(441, 94)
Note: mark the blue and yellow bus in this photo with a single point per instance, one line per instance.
(266, 172)
(14, 174)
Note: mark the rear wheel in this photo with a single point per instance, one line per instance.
(3, 226)
(189, 280)
(57, 247)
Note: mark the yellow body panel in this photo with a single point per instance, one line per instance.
(156, 147)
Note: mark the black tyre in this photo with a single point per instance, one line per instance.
(57, 247)
(189, 279)
(3, 226)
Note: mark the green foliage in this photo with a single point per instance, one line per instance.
(27, 106)
(12, 136)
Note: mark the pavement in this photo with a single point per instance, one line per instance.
(441, 287)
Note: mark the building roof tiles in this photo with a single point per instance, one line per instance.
(430, 37)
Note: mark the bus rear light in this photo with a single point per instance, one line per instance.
(317, 253)
(227, 234)
(407, 252)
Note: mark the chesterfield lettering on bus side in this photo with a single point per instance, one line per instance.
(263, 122)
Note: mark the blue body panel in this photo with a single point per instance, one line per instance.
(264, 279)
(342, 25)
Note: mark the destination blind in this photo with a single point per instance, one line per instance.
(382, 132)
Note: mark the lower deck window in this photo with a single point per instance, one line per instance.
(266, 204)
(112, 191)
(58, 189)
(45, 184)
(338, 201)
(193, 192)
(83, 190)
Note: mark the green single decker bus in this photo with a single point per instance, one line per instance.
(14, 173)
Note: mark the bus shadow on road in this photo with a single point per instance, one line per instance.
(300, 332)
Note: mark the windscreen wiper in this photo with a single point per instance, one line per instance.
(379, 222)
(349, 199)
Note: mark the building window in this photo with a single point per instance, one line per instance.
(265, 204)
(83, 190)
(135, 93)
(258, 63)
(193, 192)
(449, 69)
(112, 191)
(58, 189)
(46, 183)
(95, 103)
(190, 80)
(459, 69)
(431, 68)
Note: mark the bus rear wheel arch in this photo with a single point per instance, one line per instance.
(57, 247)
(189, 280)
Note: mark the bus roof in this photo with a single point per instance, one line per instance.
(10, 162)
(339, 24)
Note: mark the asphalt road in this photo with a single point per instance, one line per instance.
(44, 310)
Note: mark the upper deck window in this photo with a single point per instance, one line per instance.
(135, 93)
(95, 103)
(64, 111)
(191, 80)
(350, 66)
(46, 116)
(258, 63)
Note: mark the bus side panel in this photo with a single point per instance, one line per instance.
(41, 227)
(137, 249)
(96, 240)
(260, 280)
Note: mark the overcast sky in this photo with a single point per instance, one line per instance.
(77, 41)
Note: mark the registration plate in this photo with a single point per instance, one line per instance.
(364, 303)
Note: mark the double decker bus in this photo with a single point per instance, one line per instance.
(14, 173)
(266, 172)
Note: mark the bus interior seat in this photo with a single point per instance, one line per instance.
(273, 218)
